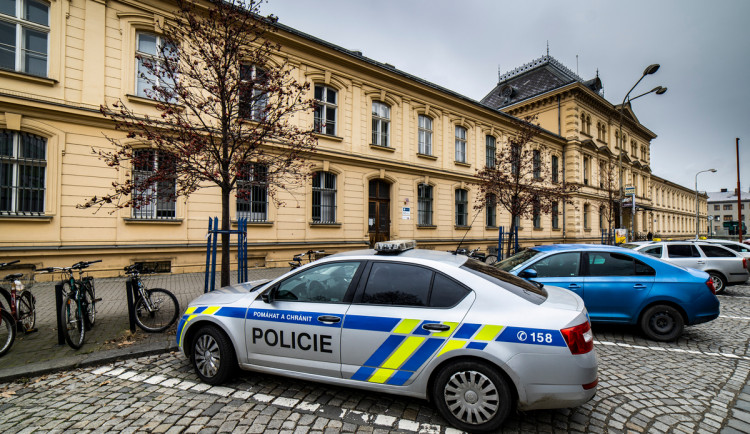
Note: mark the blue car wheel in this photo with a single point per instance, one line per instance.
(662, 323)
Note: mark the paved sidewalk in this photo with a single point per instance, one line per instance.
(110, 339)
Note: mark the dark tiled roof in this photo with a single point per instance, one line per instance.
(534, 78)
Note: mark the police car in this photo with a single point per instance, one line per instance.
(476, 341)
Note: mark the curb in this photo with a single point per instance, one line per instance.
(85, 360)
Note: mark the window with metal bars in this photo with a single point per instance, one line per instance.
(24, 35)
(424, 202)
(23, 164)
(154, 197)
(252, 193)
(462, 207)
(324, 197)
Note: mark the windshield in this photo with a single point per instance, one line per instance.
(516, 285)
(517, 259)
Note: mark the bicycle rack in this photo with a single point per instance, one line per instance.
(58, 303)
(129, 290)
(213, 236)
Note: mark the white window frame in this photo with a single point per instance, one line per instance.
(461, 144)
(424, 135)
(321, 121)
(381, 124)
(19, 48)
(15, 162)
(258, 104)
(155, 58)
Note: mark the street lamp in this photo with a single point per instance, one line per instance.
(659, 90)
(697, 224)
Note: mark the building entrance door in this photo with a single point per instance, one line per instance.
(379, 214)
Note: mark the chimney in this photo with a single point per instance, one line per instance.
(723, 190)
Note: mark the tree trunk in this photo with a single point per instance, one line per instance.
(225, 237)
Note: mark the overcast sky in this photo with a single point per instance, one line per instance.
(703, 48)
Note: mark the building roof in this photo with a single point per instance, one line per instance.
(729, 195)
(534, 78)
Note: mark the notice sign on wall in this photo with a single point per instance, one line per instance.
(406, 213)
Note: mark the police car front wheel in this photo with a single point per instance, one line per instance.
(213, 355)
(472, 396)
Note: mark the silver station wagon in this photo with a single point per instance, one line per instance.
(476, 341)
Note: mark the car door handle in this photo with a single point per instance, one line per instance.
(701, 262)
(329, 319)
(574, 286)
(436, 327)
(639, 286)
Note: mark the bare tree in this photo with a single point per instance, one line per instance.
(608, 183)
(520, 181)
(228, 112)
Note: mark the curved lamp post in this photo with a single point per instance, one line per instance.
(697, 224)
(659, 90)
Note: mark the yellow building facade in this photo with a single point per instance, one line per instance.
(399, 161)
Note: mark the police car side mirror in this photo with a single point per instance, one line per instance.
(528, 273)
(268, 296)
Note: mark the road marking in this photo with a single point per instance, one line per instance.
(744, 318)
(672, 350)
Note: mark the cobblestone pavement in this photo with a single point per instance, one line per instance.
(112, 329)
(697, 384)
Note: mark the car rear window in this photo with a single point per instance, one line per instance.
(717, 252)
(528, 291)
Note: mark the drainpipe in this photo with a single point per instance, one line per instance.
(559, 133)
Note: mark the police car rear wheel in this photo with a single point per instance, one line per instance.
(213, 356)
(472, 396)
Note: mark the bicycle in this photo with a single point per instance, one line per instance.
(21, 308)
(156, 309)
(474, 253)
(297, 259)
(78, 310)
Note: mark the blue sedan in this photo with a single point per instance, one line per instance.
(621, 286)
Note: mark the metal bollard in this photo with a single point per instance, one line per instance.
(58, 303)
(131, 305)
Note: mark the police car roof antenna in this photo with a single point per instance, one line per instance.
(467, 230)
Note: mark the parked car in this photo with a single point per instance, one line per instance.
(741, 248)
(473, 339)
(621, 286)
(725, 266)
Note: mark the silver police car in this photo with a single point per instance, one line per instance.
(473, 339)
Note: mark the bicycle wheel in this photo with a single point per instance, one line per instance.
(490, 259)
(7, 331)
(89, 303)
(72, 322)
(26, 311)
(162, 314)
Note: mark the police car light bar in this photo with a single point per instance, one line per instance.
(395, 246)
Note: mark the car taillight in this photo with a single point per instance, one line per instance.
(744, 262)
(710, 284)
(579, 338)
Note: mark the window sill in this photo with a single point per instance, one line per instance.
(131, 220)
(427, 156)
(556, 229)
(587, 229)
(328, 137)
(538, 229)
(462, 164)
(426, 227)
(257, 224)
(492, 228)
(461, 228)
(382, 148)
(28, 77)
(149, 101)
(324, 225)
(27, 218)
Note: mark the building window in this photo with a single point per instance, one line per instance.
(555, 169)
(23, 163)
(728, 207)
(324, 116)
(24, 35)
(536, 160)
(634, 149)
(536, 216)
(324, 197)
(602, 212)
(424, 202)
(152, 54)
(253, 96)
(727, 218)
(515, 159)
(425, 135)
(154, 195)
(717, 207)
(381, 123)
(252, 193)
(462, 207)
(460, 144)
(491, 206)
(490, 151)
(586, 215)
(555, 215)
(586, 168)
